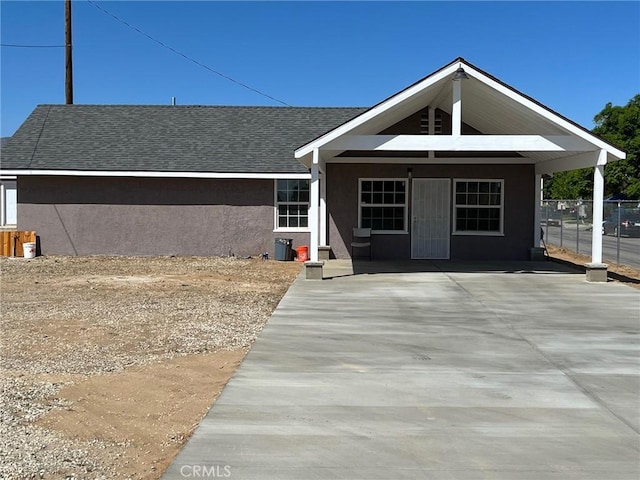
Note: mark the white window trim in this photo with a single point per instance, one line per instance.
(405, 231)
(4, 181)
(277, 229)
(455, 208)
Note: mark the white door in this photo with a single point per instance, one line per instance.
(431, 224)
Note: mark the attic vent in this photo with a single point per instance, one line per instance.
(424, 123)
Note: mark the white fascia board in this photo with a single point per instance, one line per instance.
(472, 143)
(138, 174)
(377, 110)
(543, 112)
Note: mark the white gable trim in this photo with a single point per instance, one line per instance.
(448, 71)
(544, 112)
(377, 110)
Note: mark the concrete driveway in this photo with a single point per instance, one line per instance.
(435, 371)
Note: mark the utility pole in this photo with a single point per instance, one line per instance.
(68, 84)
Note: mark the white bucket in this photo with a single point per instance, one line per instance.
(29, 249)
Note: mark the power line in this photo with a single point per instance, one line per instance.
(206, 67)
(15, 45)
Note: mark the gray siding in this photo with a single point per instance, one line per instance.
(129, 216)
(342, 210)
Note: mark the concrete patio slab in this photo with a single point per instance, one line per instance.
(437, 370)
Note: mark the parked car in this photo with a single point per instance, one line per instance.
(553, 218)
(629, 225)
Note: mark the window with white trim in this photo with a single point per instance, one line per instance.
(479, 206)
(292, 204)
(383, 204)
(8, 203)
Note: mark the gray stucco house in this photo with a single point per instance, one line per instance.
(448, 168)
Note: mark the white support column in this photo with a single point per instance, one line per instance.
(537, 252)
(456, 111)
(536, 213)
(323, 208)
(314, 193)
(598, 197)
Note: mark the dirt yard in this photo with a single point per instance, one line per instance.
(108, 364)
(617, 273)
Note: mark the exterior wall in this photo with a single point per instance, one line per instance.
(519, 180)
(132, 216)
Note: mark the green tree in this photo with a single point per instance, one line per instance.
(570, 185)
(619, 126)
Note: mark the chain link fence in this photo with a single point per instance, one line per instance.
(569, 224)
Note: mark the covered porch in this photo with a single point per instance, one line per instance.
(448, 169)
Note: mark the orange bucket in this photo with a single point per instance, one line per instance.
(303, 253)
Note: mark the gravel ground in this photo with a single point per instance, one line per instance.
(28, 451)
(65, 319)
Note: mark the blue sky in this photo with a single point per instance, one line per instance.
(572, 56)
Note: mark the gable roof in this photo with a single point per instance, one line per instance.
(134, 138)
(489, 105)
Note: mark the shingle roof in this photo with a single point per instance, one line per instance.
(224, 139)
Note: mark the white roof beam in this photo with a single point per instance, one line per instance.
(435, 160)
(472, 143)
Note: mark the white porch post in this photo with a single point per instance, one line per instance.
(456, 111)
(536, 214)
(596, 270)
(537, 253)
(598, 195)
(314, 192)
(323, 209)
